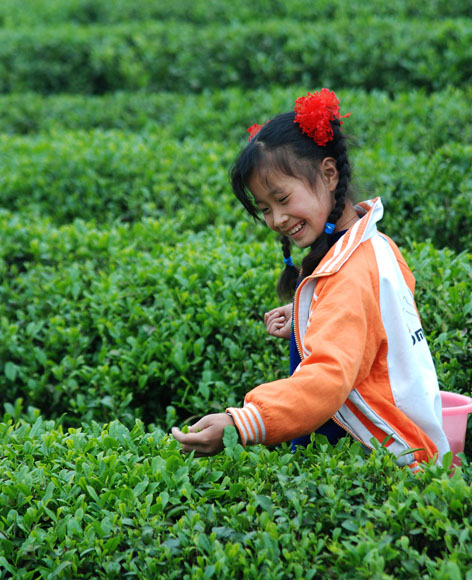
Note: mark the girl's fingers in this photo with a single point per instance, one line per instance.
(186, 438)
(275, 319)
(277, 322)
(192, 442)
(281, 315)
(278, 326)
(206, 436)
(270, 316)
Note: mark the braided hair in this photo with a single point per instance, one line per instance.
(321, 245)
(281, 146)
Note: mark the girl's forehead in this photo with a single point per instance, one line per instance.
(270, 183)
(274, 168)
(265, 180)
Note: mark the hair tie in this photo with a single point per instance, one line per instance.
(314, 114)
(329, 228)
(289, 262)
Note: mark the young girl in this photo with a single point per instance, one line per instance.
(360, 364)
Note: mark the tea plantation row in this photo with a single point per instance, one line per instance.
(110, 175)
(146, 319)
(136, 316)
(410, 121)
(15, 13)
(388, 54)
(108, 502)
(133, 287)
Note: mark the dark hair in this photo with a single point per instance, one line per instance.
(282, 146)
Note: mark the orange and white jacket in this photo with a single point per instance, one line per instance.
(365, 360)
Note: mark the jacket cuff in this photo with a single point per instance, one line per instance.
(249, 423)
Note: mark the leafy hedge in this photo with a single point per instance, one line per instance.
(108, 176)
(93, 321)
(133, 288)
(368, 53)
(15, 13)
(108, 502)
(427, 195)
(144, 320)
(412, 121)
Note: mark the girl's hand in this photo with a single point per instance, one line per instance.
(279, 321)
(206, 436)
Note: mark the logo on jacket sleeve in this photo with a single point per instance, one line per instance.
(411, 317)
(417, 336)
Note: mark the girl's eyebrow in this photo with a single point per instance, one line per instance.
(274, 191)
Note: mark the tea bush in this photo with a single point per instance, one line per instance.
(15, 13)
(106, 501)
(145, 320)
(111, 175)
(107, 176)
(163, 56)
(412, 121)
(133, 287)
(92, 324)
(427, 195)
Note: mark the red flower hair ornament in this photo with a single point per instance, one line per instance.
(314, 114)
(254, 130)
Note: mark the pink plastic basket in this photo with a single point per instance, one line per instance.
(455, 412)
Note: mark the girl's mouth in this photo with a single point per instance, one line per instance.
(294, 231)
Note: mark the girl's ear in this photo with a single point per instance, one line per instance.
(329, 173)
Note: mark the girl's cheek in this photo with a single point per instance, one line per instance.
(268, 222)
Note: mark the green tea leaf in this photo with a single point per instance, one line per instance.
(230, 437)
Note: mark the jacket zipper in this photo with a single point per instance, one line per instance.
(295, 309)
(351, 433)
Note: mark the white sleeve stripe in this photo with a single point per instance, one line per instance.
(257, 438)
(255, 411)
(249, 423)
(244, 418)
(240, 426)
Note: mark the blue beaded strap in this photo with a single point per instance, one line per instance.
(289, 261)
(329, 228)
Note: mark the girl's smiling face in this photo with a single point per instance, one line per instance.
(293, 208)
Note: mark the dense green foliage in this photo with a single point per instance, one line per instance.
(125, 322)
(130, 176)
(132, 286)
(31, 12)
(108, 176)
(415, 121)
(186, 57)
(110, 503)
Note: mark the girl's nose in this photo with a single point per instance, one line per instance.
(279, 217)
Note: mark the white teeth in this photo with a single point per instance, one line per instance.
(296, 229)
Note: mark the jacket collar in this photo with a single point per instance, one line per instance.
(370, 212)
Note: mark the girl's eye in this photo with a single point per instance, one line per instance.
(283, 199)
(264, 210)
